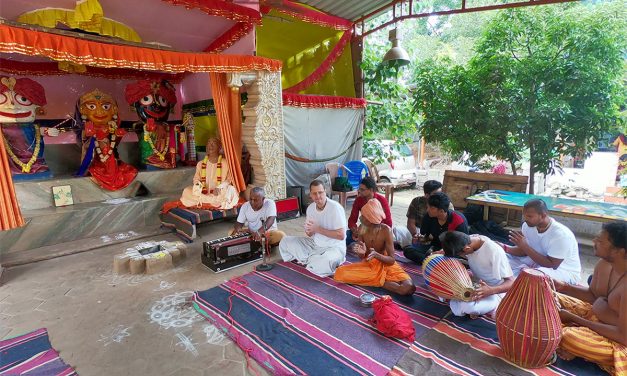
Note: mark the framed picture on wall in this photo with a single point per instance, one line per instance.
(62, 195)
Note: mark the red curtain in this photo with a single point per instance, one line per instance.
(229, 112)
(10, 214)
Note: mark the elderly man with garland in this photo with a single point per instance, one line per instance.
(212, 184)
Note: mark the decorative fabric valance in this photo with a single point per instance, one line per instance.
(86, 52)
(229, 37)
(45, 68)
(321, 101)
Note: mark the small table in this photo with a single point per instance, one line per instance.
(589, 210)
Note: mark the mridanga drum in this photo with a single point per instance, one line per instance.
(447, 278)
(528, 322)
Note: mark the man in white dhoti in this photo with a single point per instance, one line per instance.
(324, 248)
(212, 188)
(490, 268)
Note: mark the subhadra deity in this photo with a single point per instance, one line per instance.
(101, 135)
(23, 139)
(153, 101)
(212, 186)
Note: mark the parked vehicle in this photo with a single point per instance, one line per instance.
(400, 167)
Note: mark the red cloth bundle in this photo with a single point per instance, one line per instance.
(391, 320)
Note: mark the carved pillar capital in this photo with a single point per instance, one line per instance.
(238, 79)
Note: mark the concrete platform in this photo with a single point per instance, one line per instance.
(95, 212)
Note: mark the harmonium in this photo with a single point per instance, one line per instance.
(230, 252)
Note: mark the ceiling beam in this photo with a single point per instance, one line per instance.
(461, 9)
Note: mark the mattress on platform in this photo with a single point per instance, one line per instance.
(184, 220)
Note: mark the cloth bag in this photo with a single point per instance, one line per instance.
(391, 320)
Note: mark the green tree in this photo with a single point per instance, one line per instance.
(391, 116)
(424, 38)
(546, 80)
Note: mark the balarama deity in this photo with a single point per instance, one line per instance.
(213, 181)
(19, 100)
(101, 135)
(153, 101)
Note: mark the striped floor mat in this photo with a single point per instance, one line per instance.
(31, 354)
(293, 322)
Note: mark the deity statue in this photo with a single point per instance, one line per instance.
(153, 101)
(101, 135)
(19, 100)
(213, 183)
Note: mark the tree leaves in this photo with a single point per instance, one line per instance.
(543, 79)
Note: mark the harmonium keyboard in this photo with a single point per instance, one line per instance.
(230, 252)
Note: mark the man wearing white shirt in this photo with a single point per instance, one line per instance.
(260, 215)
(490, 268)
(544, 244)
(324, 248)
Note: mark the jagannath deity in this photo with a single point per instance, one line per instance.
(19, 100)
(153, 101)
(100, 135)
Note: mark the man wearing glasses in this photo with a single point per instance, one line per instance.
(367, 191)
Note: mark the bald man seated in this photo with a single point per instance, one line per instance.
(260, 215)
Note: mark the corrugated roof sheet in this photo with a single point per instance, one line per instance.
(348, 9)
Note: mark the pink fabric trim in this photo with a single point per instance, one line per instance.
(221, 8)
(229, 37)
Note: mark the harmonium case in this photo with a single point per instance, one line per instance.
(230, 252)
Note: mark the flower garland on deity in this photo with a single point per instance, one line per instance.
(101, 134)
(19, 101)
(153, 101)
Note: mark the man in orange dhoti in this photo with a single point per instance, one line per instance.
(375, 244)
(596, 316)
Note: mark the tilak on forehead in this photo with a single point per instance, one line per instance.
(26, 87)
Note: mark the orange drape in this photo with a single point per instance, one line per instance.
(87, 52)
(10, 214)
(229, 113)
